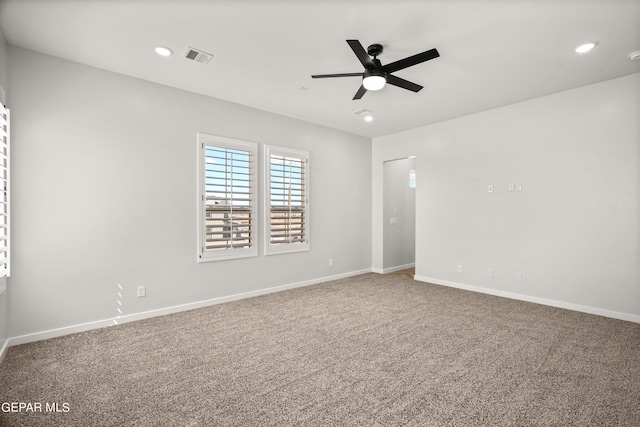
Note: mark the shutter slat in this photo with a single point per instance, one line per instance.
(221, 239)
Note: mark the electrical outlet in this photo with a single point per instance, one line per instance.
(490, 272)
(518, 277)
(330, 262)
(459, 269)
(142, 291)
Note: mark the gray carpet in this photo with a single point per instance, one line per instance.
(371, 350)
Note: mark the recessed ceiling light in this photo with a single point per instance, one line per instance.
(586, 47)
(163, 51)
(634, 56)
(368, 118)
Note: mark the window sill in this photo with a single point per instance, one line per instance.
(288, 250)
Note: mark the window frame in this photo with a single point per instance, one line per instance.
(5, 211)
(224, 143)
(274, 249)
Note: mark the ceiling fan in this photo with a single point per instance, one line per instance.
(376, 75)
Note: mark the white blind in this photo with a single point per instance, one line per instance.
(4, 188)
(229, 198)
(288, 199)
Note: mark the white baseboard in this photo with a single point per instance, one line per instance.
(537, 300)
(53, 333)
(392, 269)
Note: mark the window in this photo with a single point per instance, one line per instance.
(5, 199)
(227, 214)
(286, 200)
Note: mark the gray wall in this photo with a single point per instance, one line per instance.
(572, 231)
(399, 206)
(104, 185)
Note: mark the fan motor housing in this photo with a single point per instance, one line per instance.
(370, 73)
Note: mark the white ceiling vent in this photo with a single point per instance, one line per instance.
(363, 112)
(198, 55)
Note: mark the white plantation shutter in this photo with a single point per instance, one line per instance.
(5, 198)
(228, 216)
(287, 200)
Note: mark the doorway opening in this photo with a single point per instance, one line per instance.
(399, 215)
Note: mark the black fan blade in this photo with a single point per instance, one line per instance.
(362, 54)
(320, 76)
(411, 60)
(360, 92)
(404, 84)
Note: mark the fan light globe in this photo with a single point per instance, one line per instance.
(373, 82)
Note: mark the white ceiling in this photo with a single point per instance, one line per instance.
(493, 52)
